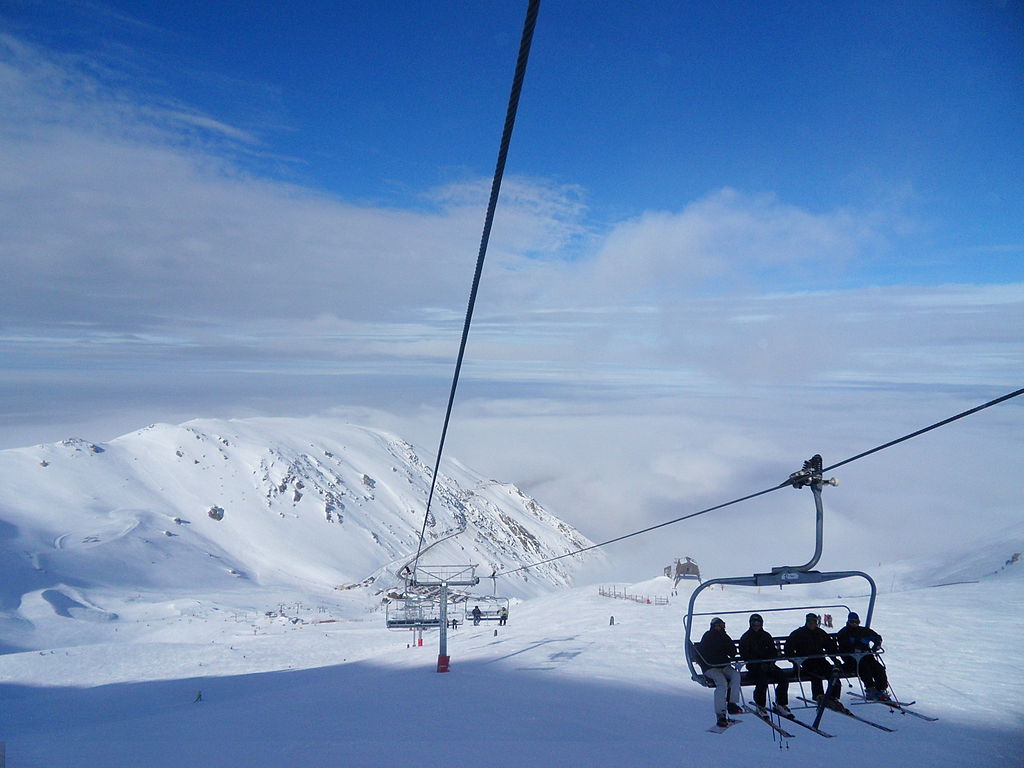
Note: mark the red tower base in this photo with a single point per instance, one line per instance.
(442, 663)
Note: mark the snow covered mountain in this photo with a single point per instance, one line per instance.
(178, 589)
(232, 507)
(991, 554)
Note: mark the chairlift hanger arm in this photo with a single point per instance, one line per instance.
(810, 475)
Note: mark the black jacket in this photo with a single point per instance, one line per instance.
(810, 641)
(757, 645)
(856, 639)
(716, 648)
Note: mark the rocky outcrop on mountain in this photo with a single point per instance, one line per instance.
(268, 501)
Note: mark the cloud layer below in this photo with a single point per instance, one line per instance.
(627, 369)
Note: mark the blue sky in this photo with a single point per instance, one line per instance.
(712, 213)
(911, 107)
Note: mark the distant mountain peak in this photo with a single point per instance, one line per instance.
(306, 502)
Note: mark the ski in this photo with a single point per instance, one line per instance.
(865, 699)
(842, 710)
(906, 711)
(810, 727)
(901, 706)
(767, 720)
(724, 728)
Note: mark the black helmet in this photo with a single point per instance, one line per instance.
(756, 617)
(717, 620)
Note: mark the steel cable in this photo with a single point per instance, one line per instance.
(499, 172)
(786, 483)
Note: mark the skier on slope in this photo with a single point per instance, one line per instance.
(853, 638)
(716, 653)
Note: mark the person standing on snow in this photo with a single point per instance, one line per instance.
(853, 638)
(716, 653)
(757, 648)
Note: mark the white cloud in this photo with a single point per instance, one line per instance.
(625, 374)
(116, 219)
(116, 224)
(209, 124)
(724, 241)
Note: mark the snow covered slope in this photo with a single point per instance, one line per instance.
(989, 555)
(241, 507)
(559, 686)
(134, 599)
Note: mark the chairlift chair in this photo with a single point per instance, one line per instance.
(422, 611)
(412, 613)
(490, 607)
(781, 576)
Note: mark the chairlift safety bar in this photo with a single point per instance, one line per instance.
(776, 610)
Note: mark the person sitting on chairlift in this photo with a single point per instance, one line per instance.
(853, 638)
(716, 653)
(502, 616)
(758, 649)
(812, 640)
(476, 615)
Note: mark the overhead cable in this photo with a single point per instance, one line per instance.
(786, 483)
(936, 425)
(499, 171)
(647, 530)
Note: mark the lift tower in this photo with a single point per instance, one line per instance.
(441, 577)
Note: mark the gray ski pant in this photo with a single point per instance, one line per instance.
(727, 683)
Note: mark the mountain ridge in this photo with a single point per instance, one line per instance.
(236, 506)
